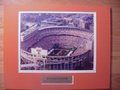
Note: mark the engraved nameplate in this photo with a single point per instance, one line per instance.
(57, 80)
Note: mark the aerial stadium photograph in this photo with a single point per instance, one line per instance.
(57, 41)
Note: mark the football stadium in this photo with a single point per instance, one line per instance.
(52, 45)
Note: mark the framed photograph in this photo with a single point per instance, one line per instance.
(52, 41)
(56, 46)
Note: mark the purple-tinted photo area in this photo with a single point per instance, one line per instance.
(56, 41)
